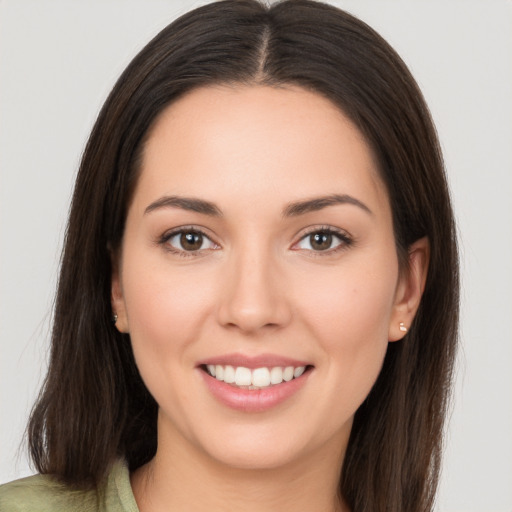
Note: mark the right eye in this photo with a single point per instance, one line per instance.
(188, 241)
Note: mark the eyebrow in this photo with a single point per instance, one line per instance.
(291, 210)
(318, 203)
(185, 203)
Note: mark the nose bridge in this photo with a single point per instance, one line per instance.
(252, 296)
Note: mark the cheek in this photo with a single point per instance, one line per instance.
(164, 310)
(348, 314)
(351, 300)
(352, 312)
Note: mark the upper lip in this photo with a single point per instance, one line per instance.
(252, 362)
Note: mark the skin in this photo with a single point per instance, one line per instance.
(258, 287)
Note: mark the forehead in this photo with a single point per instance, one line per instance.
(285, 143)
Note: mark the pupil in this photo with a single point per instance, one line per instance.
(191, 241)
(321, 241)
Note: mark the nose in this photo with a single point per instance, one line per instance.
(253, 294)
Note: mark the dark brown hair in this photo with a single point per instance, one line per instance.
(94, 406)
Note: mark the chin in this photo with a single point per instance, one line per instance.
(255, 457)
(270, 446)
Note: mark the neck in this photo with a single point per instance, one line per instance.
(179, 478)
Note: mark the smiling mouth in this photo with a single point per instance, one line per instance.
(257, 378)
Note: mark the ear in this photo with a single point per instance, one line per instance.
(117, 297)
(409, 291)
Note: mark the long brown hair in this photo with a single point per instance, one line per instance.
(94, 406)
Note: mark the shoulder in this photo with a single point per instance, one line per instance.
(42, 493)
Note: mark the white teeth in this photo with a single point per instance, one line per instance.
(257, 378)
(288, 373)
(276, 375)
(261, 377)
(298, 371)
(243, 376)
(229, 374)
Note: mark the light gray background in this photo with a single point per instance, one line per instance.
(59, 59)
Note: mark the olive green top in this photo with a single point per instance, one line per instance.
(41, 493)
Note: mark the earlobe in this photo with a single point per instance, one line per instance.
(410, 289)
(119, 317)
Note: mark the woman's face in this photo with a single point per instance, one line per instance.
(259, 239)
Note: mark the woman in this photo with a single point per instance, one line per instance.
(257, 304)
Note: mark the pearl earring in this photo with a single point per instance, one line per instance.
(402, 327)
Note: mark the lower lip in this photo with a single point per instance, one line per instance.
(253, 400)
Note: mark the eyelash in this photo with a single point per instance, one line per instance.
(167, 236)
(345, 241)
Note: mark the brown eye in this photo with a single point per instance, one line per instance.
(188, 241)
(324, 240)
(191, 241)
(320, 241)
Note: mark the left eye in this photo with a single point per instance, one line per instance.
(190, 241)
(320, 241)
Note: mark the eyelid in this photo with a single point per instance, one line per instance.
(345, 238)
(169, 234)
